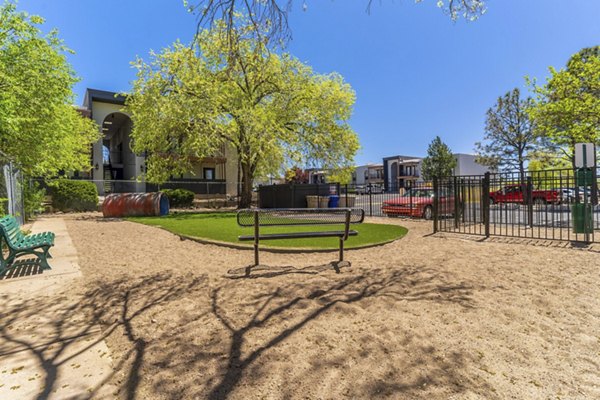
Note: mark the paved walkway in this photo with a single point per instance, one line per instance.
(47, 349)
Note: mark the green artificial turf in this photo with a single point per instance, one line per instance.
(223, 227)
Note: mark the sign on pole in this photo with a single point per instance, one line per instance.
(585, 155)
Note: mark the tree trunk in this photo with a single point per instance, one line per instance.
(246, 195)
(522, 180)
(239, 179)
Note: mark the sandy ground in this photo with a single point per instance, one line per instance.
(432, 317)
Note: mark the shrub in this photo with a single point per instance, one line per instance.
(179, 197)
(3, 206)
(74, 195)
(33, 198)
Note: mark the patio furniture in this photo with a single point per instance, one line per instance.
(19, 244)
(258, 218)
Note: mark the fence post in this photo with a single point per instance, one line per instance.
(370, 200)
(318, 196)
(530, 201)
(456, 204)
(293, 195)
(436, 193)
(346, 197)
(485, 193)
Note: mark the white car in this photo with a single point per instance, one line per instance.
(369, 189)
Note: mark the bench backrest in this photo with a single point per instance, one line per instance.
(10, 229)
(299, 216)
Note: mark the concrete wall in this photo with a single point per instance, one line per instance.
(231, 170)
(360, 174)
(466, 165)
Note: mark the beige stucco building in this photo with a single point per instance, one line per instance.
(116, 168)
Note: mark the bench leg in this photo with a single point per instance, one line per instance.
(341, 249)
(7, 263)
(43, 257)
(256, 262)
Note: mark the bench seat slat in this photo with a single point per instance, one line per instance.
(15, 234)
(34, 240)
(297, 235)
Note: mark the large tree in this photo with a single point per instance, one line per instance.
(567, 108)
(272, 15)
(440, 162)
(39, 127)
(510, 138)
(189, 102)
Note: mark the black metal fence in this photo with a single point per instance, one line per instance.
(296, 195)
(209, 193)
(550, 205)
(547, 205)
(202, 187)
(409, 200)
(414, 201)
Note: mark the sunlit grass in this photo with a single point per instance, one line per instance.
(223, 227)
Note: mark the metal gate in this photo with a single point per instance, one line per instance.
(548, 205)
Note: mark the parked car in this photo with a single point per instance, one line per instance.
(514, 194)
(418, 203)
(589, 192)
(567, 195)
(368, 189)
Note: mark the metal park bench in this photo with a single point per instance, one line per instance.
(18, 244)
(257, 218)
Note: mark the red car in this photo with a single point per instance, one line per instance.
(418, 203)
(514, 194)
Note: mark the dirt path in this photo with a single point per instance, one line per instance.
(424, 317)
(48, 348)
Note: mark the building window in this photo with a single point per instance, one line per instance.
(209, 174)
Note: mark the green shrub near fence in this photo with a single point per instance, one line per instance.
(70, 195)
(33, 199)
(3, 206)
(179, 197)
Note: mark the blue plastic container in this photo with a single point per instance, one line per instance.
(334, 201)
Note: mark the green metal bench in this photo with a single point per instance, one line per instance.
(18, 244)
(299, 216)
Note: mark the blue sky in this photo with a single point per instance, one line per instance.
(416, 73)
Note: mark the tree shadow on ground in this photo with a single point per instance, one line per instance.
(264, 271)
(185, 336)
(278, 306)
(114, 305)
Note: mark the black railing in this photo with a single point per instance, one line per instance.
(198, 186)
(548, 205)
(413, 201)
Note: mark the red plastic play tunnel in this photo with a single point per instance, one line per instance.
(119, 205)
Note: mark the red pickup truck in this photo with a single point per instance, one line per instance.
(514, 194)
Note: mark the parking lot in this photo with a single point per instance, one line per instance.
(547, 221)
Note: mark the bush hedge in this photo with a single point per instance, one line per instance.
(74, 195)
(179, 197)
(33, 199)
